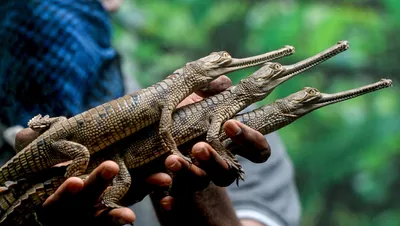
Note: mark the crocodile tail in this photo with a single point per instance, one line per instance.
(20, 202)
(9, 172)
(7, 198)
(23, 208)
(10, 194)
(23, 163)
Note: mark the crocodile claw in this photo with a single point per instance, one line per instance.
(235, 165)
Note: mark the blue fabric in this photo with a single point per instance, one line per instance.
(55, 58)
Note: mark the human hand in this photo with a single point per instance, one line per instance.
(211, 167)
(74, 201)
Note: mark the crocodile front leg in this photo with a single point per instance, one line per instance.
(165, 132)
(213, 139)
(78, 153)
(120, 185)
(38, 124)
(41, 124)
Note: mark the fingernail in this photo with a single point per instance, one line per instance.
(234, 129)
(172, 165)
(166, 184)
(166, 205)
(122, 221)
(175, 165)
(203, 154)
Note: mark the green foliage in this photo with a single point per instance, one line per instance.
(346, 155)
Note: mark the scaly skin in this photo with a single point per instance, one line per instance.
(209, 113)
(80, 136)
(255, 88)
(267, 119)
(191, 121)
(23, 207)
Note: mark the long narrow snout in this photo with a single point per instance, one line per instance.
(327, 99)
(237, 64)
(303, 65)
(289, 71)
(297, 68)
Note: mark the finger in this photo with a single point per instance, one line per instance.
(206, 155)
(187, 177)
(99, 180)
(67, 190)
(253, 145)
(159, 180)
(216, 167)
(120, 216)
(24, 137)
(167, 202)
(176, 164)
(216, 86)
(192, 98)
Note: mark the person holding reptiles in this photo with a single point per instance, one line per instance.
(55, 74)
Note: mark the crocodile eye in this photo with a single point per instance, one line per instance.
(277, 67)
(313, 92)
(226, 55)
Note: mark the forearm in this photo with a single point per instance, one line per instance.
(269, 195)
(210, 206)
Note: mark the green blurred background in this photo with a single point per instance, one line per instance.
(347, 155)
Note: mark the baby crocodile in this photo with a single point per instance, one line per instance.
(192, 120)
(80, 136)
(24, 198)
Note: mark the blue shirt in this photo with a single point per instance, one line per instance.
(55, 58)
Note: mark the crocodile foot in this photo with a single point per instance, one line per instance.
(235, 166)
(39, 123)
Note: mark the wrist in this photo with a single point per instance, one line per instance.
(210, 206)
